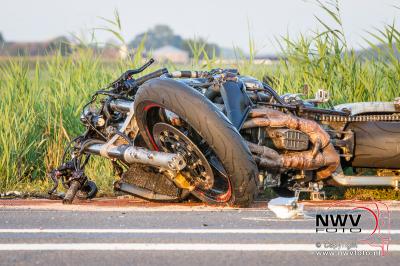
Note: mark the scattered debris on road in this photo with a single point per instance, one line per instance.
(286, 208)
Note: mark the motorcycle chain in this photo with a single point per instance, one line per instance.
(358, 118)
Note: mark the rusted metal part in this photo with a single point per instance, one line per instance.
(267, 163)
(303, 160)
(324, 156)
(332, 161)
(289, 139)
(275, 118)
(327, 160)
(266, 157)
(263, 151)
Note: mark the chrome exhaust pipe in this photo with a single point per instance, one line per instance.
(132, 154)
(347, 180)
(122, 106)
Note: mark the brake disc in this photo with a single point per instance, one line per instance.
(198, 171)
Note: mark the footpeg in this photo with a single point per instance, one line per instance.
(315, 191)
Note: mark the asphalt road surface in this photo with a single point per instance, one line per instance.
(35, 235)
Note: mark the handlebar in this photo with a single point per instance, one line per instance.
(73, 189)
(129, 73)
(139, 81)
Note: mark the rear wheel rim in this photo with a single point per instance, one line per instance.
(221, 192)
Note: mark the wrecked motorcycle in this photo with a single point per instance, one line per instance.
(222, 137)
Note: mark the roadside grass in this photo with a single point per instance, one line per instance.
(41, 99)
(353, 193)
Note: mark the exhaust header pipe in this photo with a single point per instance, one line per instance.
(132, 154)
(323, 156)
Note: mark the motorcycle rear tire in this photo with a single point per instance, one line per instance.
(207, 120)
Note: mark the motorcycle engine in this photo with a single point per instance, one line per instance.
(90, 115)
(289, 139)
(281, 139)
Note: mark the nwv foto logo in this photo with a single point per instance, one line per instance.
(345, 217)
(337, 223)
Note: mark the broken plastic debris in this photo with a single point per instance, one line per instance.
(11, 194)
(286, 208)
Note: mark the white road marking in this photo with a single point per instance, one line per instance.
(129, 208)
(175, 231)
(179, 247)
(268, 219)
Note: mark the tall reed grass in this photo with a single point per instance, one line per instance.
(324, 60)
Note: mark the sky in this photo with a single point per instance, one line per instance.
(225, 22)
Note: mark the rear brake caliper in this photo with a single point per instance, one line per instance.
(197, 173)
